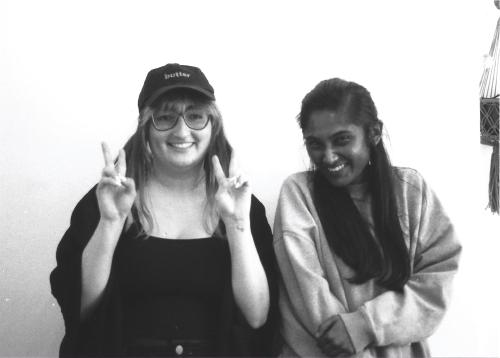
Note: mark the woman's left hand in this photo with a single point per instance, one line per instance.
(333, 339)
(233, 196)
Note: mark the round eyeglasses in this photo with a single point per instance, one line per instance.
(194, 119)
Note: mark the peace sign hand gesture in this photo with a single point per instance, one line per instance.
(233, 196)
(115, 192)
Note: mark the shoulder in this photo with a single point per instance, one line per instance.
(297, 179)
(261, 232)
(87, 207)
(413, 192)
(258, 218)
(408, 176)
(89, 199)
(297, 184)
(257, 212)
(296, 193)
(256, 204)
(296, 210)
(409, 182)
(84, 220)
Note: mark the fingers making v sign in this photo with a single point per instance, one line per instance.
(115, 192)
(233, 196)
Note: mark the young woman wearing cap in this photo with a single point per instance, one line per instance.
(169, 254)
(366, 252)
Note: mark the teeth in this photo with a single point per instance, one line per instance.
(181, 145)
(337, 168)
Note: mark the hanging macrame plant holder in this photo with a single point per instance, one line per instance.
(490, 115)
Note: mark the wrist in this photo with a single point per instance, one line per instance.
(110, 230)
(236, 223)
(104, 239)
(112, 223)
(113, 217)
(359, 329)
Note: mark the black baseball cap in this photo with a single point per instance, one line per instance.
(171, 76)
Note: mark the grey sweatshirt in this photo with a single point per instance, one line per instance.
(314, 280)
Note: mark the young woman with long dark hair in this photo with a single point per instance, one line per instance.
(365, 249)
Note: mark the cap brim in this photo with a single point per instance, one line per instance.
(165, 89)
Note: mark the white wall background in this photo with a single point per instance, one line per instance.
(70, 73)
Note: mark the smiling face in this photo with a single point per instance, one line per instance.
(337, 147)
(179, 148)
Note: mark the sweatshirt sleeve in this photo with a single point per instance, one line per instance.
(302, 274)
(394, 318)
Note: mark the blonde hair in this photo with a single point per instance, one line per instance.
(140, 160)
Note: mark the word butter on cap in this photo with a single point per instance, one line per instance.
(173, 76)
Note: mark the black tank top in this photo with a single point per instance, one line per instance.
(172, 289)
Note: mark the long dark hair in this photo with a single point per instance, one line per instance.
(384, 257)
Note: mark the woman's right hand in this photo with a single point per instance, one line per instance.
(115, 193)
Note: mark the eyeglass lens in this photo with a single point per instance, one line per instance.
(194, 119)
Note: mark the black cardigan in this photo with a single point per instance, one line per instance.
(101, 333)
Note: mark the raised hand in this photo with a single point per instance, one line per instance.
(233, 196)
(115, 192)
(333, 339)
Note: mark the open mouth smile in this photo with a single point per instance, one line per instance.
(183, 145)
(336, 168)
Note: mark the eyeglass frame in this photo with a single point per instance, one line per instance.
(177, 121)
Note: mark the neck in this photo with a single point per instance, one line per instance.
(178, 180)
(358, 191)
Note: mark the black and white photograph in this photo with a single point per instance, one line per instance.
(249, 178)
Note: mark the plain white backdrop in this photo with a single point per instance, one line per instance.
(70, 74)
